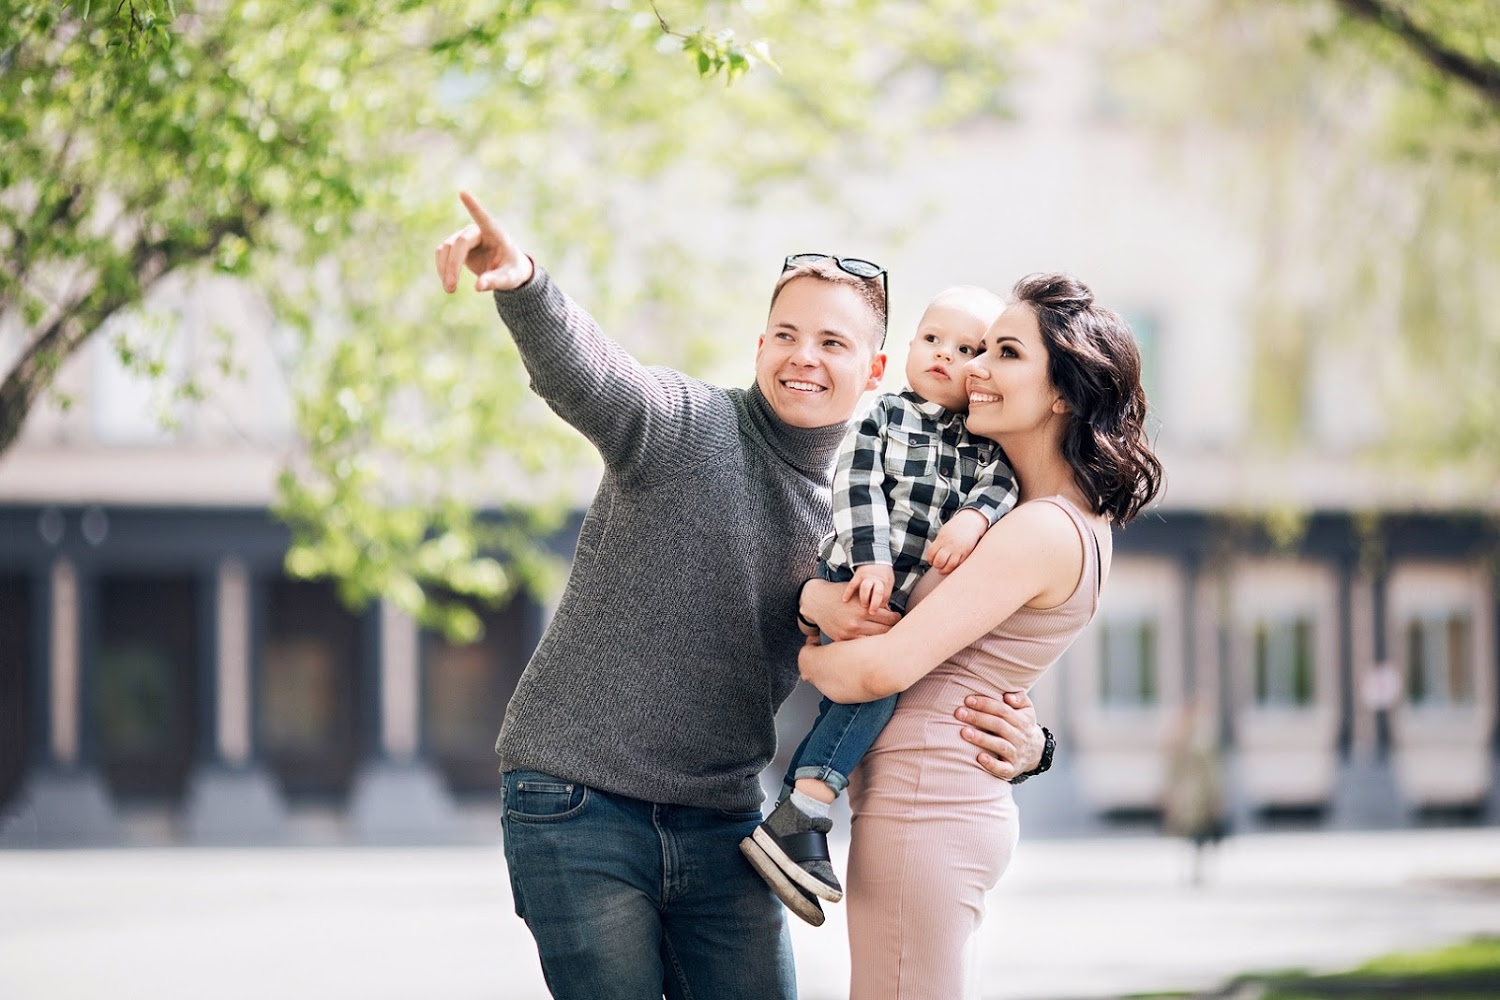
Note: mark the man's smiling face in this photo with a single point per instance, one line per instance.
(817, 356)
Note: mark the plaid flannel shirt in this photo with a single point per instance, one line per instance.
(906, 469)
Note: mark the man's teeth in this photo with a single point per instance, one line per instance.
(804, 386)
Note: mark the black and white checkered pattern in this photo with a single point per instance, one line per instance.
(907, 468)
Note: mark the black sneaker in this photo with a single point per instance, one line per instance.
(796, 898)
(798, 843)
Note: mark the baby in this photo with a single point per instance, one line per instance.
(913, 489)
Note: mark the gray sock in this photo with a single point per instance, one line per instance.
(809, 806)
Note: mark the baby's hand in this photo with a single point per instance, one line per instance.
(956, 539)
(872, 583)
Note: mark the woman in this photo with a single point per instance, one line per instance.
(1058, 387)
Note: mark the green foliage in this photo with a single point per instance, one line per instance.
(720, 51)
(314, 151)
(1466, 971)
(1469, 970)
(1477, 955)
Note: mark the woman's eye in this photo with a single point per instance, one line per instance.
(1008, 352)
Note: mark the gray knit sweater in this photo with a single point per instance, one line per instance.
(675, 640)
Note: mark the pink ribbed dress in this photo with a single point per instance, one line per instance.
(932, 831)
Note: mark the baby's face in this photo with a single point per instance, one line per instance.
(946, 339)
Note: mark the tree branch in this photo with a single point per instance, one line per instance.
(35, 370)
(150, 261)
(1482, 76)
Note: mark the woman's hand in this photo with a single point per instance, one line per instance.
(1006, 732)
(484, 248)
(822, 602)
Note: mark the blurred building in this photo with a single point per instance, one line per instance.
(1340, 617)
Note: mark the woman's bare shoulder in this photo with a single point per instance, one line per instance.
(1039, 539)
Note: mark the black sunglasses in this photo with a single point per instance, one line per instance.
(869, 270)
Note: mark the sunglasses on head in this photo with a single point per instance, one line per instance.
(869, 270)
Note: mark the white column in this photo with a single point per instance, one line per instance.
(233, 702)
(65, 686)
(1207, 611)
(399, 697)
(400, 798)
(1362, 661)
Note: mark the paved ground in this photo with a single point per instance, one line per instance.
(1071, 919)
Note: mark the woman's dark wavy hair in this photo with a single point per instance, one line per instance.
(1096, 367)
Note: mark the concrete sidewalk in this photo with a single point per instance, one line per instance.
(1071, 919)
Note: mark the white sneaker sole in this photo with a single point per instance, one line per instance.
(795, 899)
(794, 871)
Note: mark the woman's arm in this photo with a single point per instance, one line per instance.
(1031, 556)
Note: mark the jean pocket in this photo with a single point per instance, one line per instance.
(741, 815)
(533, 797)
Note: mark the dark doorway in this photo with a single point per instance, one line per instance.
(308, 690)
(15, 688)
(144, 684)
(465, 691)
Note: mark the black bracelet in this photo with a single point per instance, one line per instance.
(1049, 747)
(800, 618)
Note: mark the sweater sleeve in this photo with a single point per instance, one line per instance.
(642, 419)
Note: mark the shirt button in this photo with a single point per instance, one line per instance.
(947, 470)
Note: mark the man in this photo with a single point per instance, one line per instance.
(633, 744)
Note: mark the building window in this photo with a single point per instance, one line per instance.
(1439, 659)
(301, 696)
(1128, 663)
(138, 363)
(1284, 668)
(1147, 330)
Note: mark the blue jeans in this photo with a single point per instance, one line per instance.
(837, 740)
(641, 900)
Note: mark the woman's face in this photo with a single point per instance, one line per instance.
(1010, 390)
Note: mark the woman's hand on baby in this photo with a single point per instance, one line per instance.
(484, 248)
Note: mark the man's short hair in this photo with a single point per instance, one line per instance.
(871, 291)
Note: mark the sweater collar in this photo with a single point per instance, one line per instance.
(810, 450)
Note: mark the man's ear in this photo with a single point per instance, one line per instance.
(877, 371)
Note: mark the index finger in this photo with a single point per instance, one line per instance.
(479, 214)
